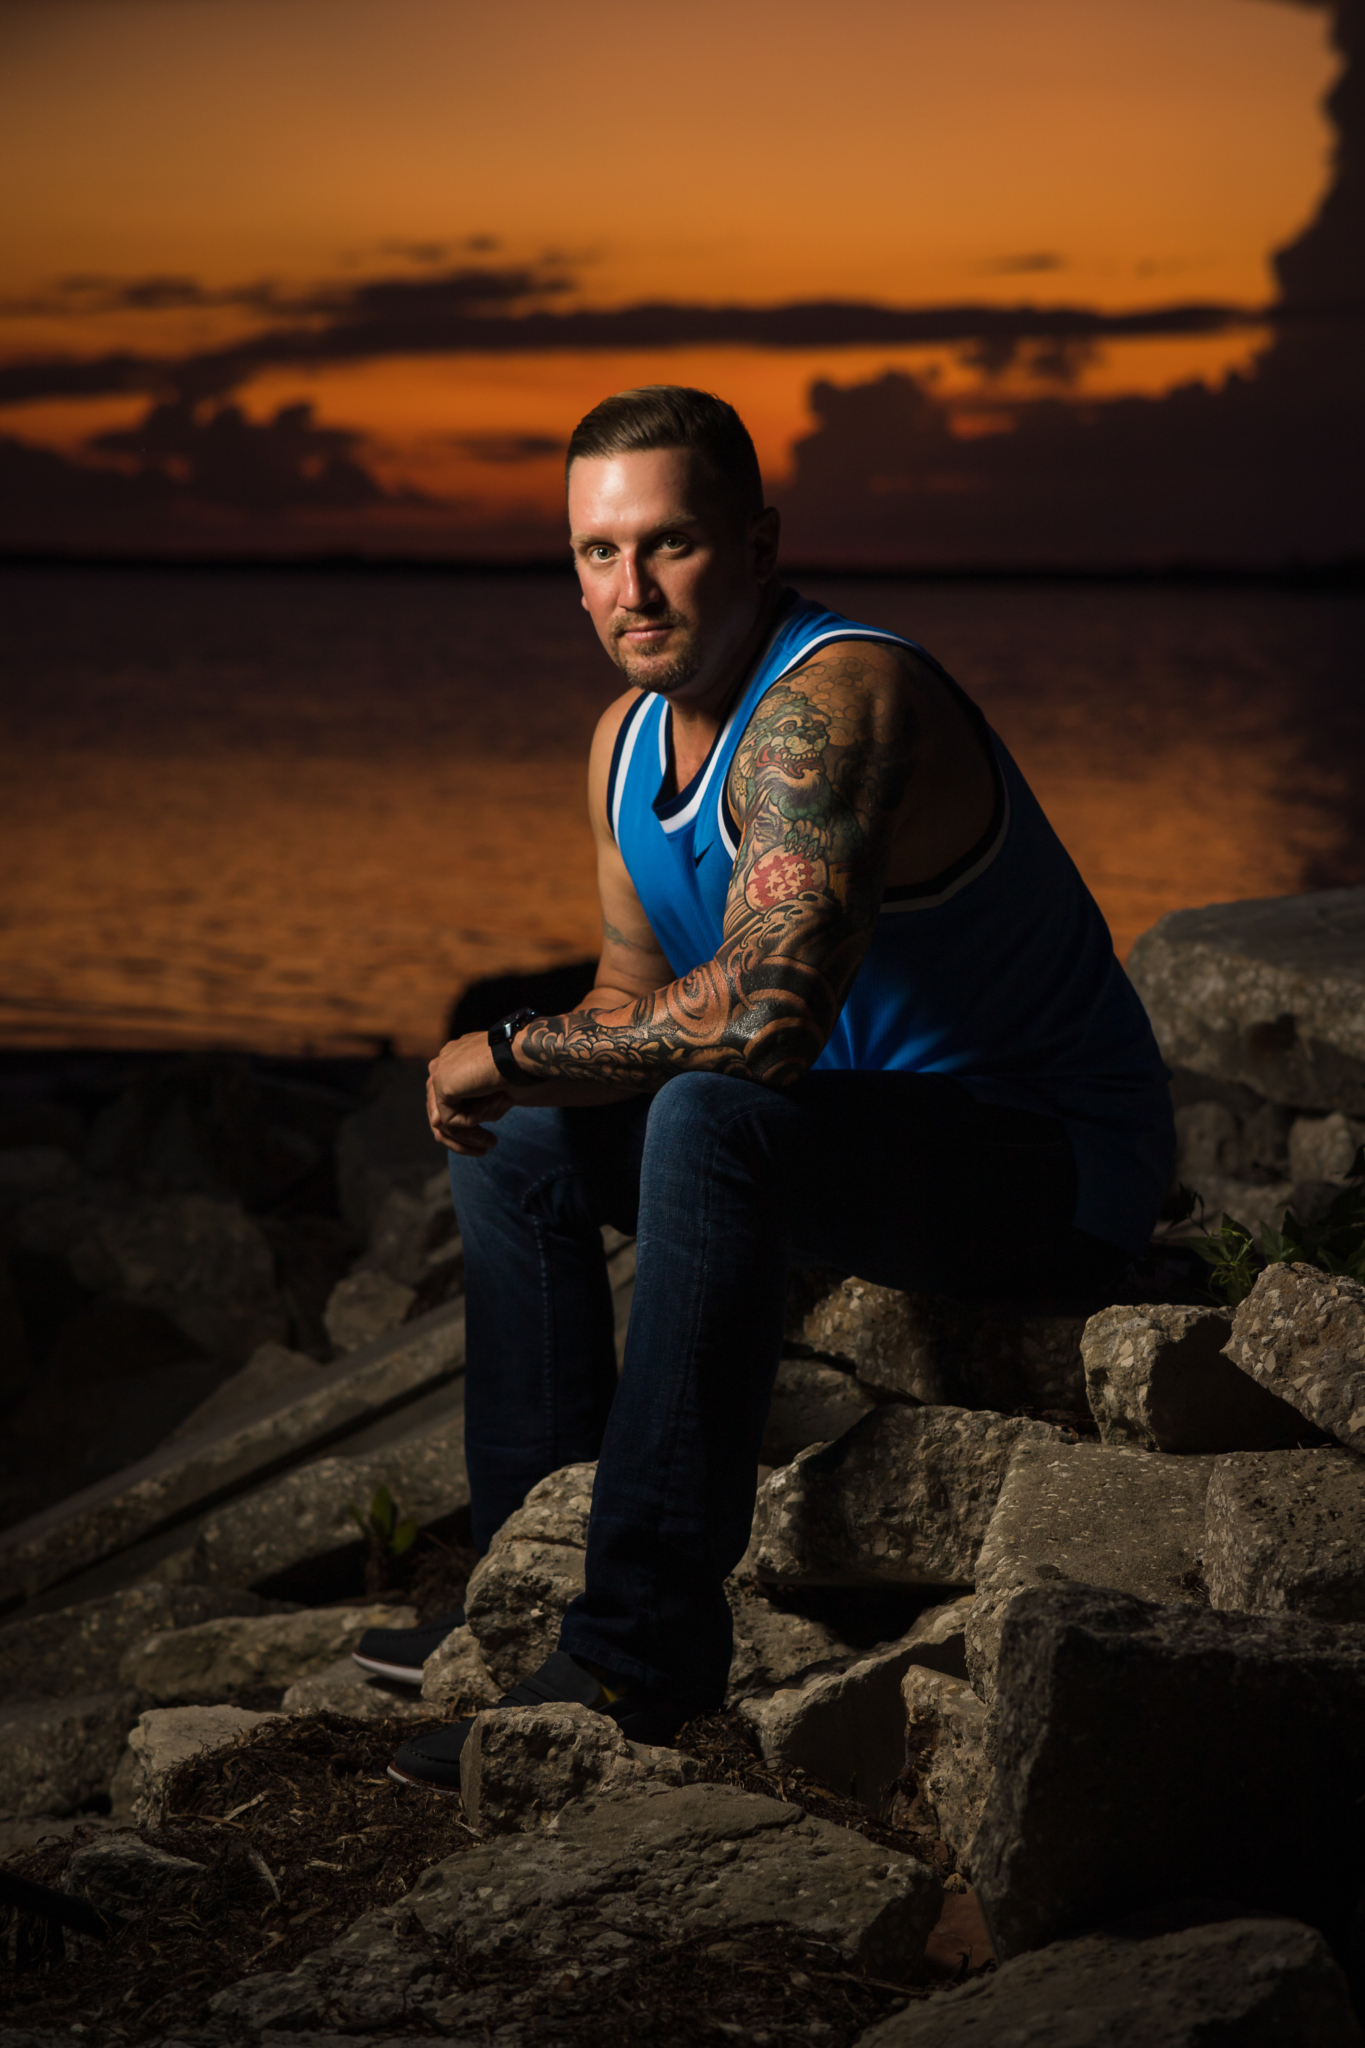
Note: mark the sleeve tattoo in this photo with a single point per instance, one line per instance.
(817, 779)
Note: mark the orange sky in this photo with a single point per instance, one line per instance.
(1107, 153)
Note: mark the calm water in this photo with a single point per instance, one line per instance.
(300, 812)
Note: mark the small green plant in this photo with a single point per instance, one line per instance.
(1336, 1243)
(386, 1534)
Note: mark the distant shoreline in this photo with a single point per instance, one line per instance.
(1347, 575)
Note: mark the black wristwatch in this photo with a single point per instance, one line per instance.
(500, 1036)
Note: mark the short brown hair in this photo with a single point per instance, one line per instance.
(676, 416)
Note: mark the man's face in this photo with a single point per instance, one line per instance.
(672, 583)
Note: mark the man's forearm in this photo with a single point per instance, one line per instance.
(757, 1010)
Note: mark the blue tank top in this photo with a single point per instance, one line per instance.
(999, 972)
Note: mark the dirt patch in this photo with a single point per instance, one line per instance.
(299, 1831)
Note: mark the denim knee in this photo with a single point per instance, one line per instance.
(701, 1102)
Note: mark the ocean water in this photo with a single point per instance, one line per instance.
(300, 812)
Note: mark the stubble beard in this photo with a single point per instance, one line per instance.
(655, 674)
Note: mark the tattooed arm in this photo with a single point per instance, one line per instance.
(816, 784)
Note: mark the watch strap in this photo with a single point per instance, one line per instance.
(500, 1038)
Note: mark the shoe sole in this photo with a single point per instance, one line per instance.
(423, 1784)
(402, 1674)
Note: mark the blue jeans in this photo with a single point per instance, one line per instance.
(901, 1178)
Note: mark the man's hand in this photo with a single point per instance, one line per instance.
(464, 1092)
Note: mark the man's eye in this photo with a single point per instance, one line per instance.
(600, 553)
(674, 540)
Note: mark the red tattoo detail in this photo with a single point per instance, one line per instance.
(780, 876)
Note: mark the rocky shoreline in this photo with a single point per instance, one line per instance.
(1050, 1638)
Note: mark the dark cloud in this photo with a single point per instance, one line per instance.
(224, 458)
(507, 447)
(1022, 266)
(475, 309)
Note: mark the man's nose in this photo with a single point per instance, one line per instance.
(637, 587)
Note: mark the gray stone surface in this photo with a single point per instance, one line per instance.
(364, 1306)
(1324, 1147)
(211, 1660)
(305, 1517)
(164, 1737)
(811, 1404)
(118, 1512)
(515, 1602)
(271, 1372)
(1133, 1520)
(121, 1873)
(946, 1752)
(903, 1498)
(1286, 1534)
(1157, 1380)
(1300, 1333)
(930, 1348)
(1269, 992)
(343, 1688)
(1125, 1737)
(386, 1144)
(1242, 1983)
(57, 1754)
(606, 1872)
(522, 1766)
(774, 1646)
(204, 1264)
(79, 1649)
(847, 1727)
(455, 1673)
(518, 1592)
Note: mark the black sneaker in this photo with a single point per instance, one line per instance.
(434, 1759)
(400, 1653)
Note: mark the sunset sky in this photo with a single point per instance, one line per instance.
(184, 175)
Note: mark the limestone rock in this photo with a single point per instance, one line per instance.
(1244, 1983)
(413, 1235)
(515, 1602)
(1270, 993)
(1208, 1143)
(846, 1727)
(1286, 1534)
(521, 1766)
(363, 1307)
(609, 1870)
(1157, 1379)
(271, 1371)
(811, 1404)
(455, 1673)
(343, 1688)
(305, 1516)
(1324, 1147)
(119, 1511)
(122, 1874)
(775, 1646)
(79, 1649)
(167, 1736)
(934, 1349)
(554, 1511)
(947, 1754)
(1300, 1334)
(518, 1592)
(1133, 1520)
(204, 1264)
(1125, 1736)
(57, 1754)
(902, 1498)
(213, 1659)
(386, 1144)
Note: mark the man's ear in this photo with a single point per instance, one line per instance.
(764, 535)
(583, 600)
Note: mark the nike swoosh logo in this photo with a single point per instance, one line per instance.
(698, 858)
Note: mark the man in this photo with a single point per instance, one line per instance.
(854, 1005)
